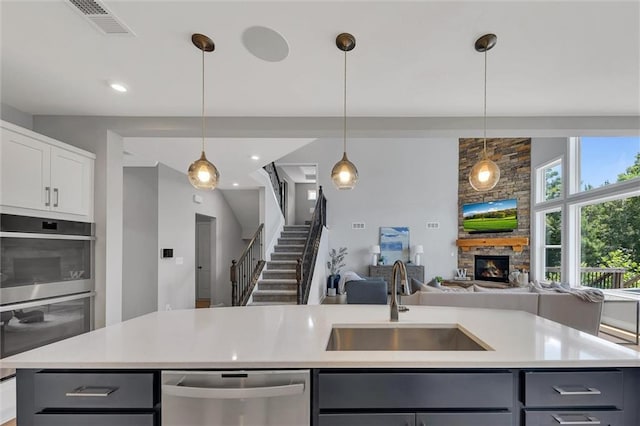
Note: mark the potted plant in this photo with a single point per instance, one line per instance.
(334, 264)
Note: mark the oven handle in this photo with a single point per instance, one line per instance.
(233, 393)
(46, 301)
(6, 234)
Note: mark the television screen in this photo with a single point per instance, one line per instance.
(491, 216)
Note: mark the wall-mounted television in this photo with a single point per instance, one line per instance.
(490, 216)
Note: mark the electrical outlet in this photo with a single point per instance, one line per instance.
(357, 225)
(433, 225)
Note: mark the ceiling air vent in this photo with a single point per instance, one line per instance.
(100, 17)
(309, 177)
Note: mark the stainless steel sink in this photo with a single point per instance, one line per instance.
(404, 338)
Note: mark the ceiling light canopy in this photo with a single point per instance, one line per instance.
(202, 173)
(485, 174)
(345, 174)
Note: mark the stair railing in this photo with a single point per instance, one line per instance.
(306, 265)
(247, 269)
(278, 187)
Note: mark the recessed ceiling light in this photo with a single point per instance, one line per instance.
(255, 157)
(235, 184)
(118, 87)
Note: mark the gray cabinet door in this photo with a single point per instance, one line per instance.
(147, 419)
(464, 419)
(370, 419)
(582, 418)
(93, 390)
(416, 391)
(573, 388)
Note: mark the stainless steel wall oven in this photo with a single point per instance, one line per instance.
(46, 281)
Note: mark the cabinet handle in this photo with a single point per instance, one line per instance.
(47, 192)
(57, 194)
(585, 391)
(588, 420)
(92, 391)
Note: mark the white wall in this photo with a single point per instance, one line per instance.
(403, 182)
(15, 116)
(245, 204)
(318, 289)
(290, 213)
(176, 230)
(302, 203)
(140, 242)
(270, 213)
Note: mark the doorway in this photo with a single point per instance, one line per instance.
(205, 264)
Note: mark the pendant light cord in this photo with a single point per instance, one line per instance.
(203, 100)
(344, 115)
(485, 102)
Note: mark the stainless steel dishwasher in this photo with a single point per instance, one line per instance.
(236, 398)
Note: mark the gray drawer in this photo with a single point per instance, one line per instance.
(416, 390)
(464, 419)
(95, 419)
(573, 389)
(576, 418)
(93, 390)
(371, 419)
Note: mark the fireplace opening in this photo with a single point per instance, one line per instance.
(491, 268)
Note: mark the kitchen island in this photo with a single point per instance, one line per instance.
(504, 381)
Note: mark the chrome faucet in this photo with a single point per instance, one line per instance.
(398, 266)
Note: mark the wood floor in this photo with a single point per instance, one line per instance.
(10, 423)
(200, 303)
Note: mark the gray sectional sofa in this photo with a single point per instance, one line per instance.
(565, 309)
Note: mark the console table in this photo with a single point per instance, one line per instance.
(384, 271)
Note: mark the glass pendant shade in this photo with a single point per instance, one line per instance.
(484, 175)
(344, 174)
(202, 174)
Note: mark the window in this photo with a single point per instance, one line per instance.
(590, 234)
(610, 243)
(550, 181)
(553, 245)
(312, 195)
(606, 160)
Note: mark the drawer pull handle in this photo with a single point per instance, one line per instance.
(92, 391)
(586, 420)
(584, 391)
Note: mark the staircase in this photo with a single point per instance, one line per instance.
(278, 285)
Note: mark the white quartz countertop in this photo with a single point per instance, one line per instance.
(296, 337)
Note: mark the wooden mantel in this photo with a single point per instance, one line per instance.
(516, 243)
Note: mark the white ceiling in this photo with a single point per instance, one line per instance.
(412, 59)
(232, 157)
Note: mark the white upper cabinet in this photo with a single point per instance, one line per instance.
(70, 180)
(24, 172)
(40, 176)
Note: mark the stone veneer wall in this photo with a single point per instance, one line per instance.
(513, 156)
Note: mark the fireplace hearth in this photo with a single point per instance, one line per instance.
(491, 268)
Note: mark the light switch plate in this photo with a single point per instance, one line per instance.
(179, 260)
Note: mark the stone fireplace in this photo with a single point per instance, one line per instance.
(491, 268)
(513, 156)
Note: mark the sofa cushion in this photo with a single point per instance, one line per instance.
(527, 302)
(480, 289)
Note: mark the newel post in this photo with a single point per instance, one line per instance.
(234, 283)
(299, 281)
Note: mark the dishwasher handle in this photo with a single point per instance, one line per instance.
(233, 393)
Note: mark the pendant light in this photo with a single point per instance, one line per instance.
(485, 174)
(344, 174)
(202, 173)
